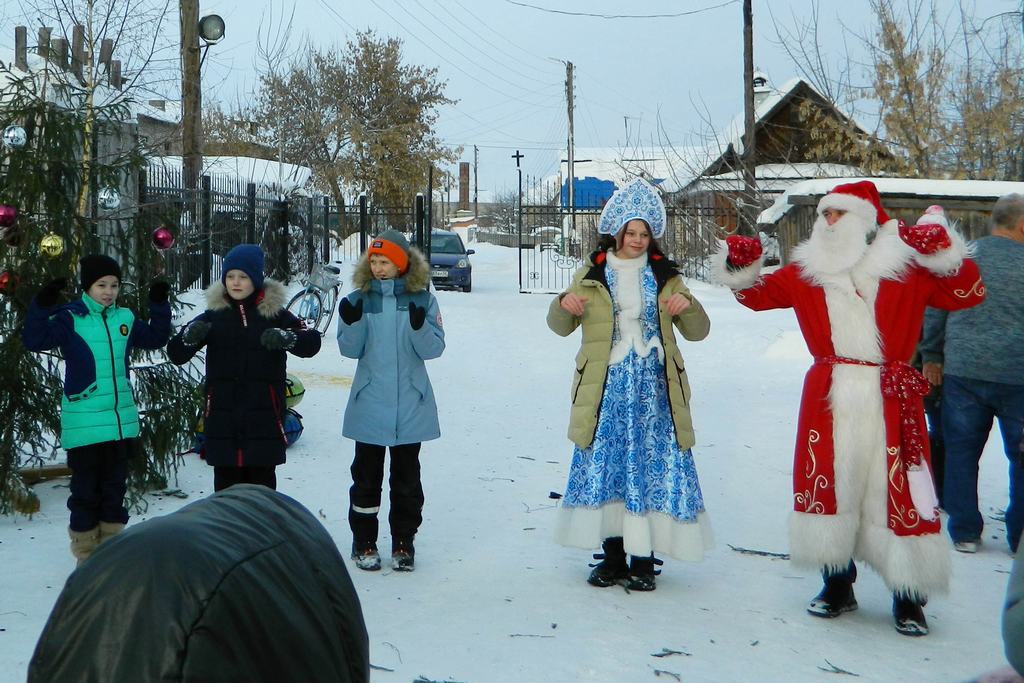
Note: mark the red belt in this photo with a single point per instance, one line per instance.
(905, 385)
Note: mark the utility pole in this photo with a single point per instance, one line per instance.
(748, 215)
(476, 185)
(191, 96)
(571, 145)
(519, 220)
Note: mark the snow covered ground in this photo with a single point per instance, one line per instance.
(493, 599)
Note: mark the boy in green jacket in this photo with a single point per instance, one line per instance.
(99, 420)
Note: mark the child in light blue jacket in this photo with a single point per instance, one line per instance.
(391, 324)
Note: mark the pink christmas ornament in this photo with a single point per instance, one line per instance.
(163, 238)
(8, 214)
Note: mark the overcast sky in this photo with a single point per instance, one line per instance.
(504, 63)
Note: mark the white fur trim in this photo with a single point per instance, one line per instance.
(949, 260)
(630, 309)
(735, 280)
(581, 527)
(851, 204)
(912, 564)
(274, 297)
(922, 491)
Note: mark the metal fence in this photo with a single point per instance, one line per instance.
(295, 232)
(554, 242)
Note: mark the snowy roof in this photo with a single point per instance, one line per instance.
(733, 133)
(60, 83)
(923, 187)
(171, 111)
(287, 178)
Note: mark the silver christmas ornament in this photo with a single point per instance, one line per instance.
(15, 137)
(108, 199)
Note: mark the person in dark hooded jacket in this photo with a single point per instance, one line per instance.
(244, 585)
(247, 332)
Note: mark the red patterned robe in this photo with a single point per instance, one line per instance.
(850, 490)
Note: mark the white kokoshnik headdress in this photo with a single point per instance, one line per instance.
(638, 199)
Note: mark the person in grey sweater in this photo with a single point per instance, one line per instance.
(981, 367)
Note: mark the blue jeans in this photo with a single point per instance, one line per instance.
(968, 407)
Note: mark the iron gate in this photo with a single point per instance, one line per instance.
(554, 243)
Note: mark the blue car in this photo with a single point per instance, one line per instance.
(449, 261)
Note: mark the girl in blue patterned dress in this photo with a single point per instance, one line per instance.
(632, 485)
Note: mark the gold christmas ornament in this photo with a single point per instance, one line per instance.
(51, 246)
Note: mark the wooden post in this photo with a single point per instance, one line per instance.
(106, 52)
(115, 73)
(21, 47)
(43, 48)
(748, 216)
(78, 51)
(191, 95)
(59, 52)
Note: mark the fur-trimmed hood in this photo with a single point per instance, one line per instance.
(271, 301)
(417, 278)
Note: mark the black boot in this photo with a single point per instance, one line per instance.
(909, 615)
(836, 596)
(612, 568)
(642, 573)
(403, 555)
(365, 555)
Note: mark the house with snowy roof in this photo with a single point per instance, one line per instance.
(968, 204)
(787, 152)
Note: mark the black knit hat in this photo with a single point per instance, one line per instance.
(95, 266)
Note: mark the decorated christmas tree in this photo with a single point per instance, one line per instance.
(69, 162)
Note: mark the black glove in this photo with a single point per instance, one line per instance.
(350, 314)
(158, 292)
(417, 315)
(49, 295)
(196, 332)
(276, 339)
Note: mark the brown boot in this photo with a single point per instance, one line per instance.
(83, 543)
(110, 529)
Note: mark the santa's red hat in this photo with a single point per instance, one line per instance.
(860, 198)
(934, 215)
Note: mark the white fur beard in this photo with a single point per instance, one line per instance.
(836, 248)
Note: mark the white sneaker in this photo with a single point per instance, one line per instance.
(966, 546)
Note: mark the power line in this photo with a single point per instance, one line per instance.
(623, 16)
(442, 57)
(338, 15)
(477, 35)
(498, 33)
(504, 65)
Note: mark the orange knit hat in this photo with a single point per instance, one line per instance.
(392, 245)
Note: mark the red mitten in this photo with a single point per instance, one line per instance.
(925, 238)
(743, 250)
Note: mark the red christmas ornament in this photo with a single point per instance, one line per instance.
(8, 214)
(8, 282)
(163, 238)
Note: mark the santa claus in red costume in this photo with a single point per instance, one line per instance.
(861, 485)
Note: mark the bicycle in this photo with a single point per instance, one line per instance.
(315, 303)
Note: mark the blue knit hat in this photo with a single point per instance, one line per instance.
(247, 258)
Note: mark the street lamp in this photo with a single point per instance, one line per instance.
(211, 29)
(208, 30)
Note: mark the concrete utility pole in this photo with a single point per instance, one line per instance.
(571, 144)
(748, 216)
(191, 96)
(476, 186)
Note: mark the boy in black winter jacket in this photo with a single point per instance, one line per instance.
(247, 332)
